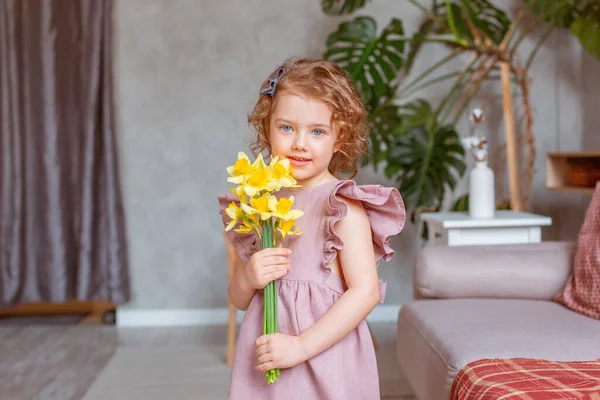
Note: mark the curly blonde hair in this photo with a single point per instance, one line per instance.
(326, 82)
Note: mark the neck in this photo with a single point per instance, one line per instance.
(316, 180)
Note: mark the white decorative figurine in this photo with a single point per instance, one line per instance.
(481, 179)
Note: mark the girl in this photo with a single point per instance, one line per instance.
(310, 113)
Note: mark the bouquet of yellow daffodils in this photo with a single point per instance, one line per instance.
(260, 212)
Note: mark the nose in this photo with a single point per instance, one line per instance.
(300, 141)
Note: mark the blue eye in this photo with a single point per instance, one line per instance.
(318, 132)
(286, 128)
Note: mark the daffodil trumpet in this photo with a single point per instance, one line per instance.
(262, 213)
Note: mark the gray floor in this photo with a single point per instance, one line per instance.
(93, 362)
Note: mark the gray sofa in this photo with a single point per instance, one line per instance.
(480, 302)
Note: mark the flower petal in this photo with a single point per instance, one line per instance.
(230, 225)
(248, 209)
(293, 214)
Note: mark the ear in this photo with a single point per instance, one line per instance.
(338, 143)
(337, 147)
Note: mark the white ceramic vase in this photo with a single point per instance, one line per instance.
(481, 191)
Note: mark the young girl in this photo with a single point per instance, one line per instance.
(310, 113)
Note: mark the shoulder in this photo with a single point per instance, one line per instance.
(374, 210)
(355, 232)
(354, 219)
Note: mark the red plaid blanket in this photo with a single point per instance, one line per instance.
(527, 379)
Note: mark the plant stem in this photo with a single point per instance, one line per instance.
(406, 93)
(275, 299)
(457, 85)
(428, 13)
(476, 86)
(511, 30)
(523, 35)
(545, 35)
(429, 70)
(270, 295)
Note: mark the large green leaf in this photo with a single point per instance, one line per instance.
(582, 17)
(417, 41)
(587, 29)
(426, 158)
(382, 123)
(372, 61)
(341, 7)
(561, 13)
(491, 21)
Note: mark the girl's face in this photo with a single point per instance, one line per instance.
(301, 130)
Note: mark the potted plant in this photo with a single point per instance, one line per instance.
(415, 141)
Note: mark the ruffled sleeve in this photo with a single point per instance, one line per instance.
(244, 244)
(385, 211)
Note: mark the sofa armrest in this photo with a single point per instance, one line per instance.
(530, 271)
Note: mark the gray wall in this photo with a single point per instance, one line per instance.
(188, 73)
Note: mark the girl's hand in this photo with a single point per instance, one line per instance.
(267, 265)
(277, 350)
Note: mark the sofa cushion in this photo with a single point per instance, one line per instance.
(436, 338)
(536, 271)
(582, 290)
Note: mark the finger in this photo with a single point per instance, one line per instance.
(274, 260)
(267, 269)
(276, 251)
(275, 275)
(264, 339)
(265, 367)
(262, 349)
(264, 358)
(275, 269)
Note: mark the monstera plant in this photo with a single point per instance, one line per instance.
(581, 17)
(415, 141)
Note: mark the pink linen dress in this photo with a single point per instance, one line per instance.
(348, 369)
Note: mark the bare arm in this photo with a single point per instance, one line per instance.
(357, 260)
(263, 267)
(240, 292)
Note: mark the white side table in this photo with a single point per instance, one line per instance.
(507, 227)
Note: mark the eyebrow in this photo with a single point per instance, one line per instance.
(282, 120)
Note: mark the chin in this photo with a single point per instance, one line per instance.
(300, 175)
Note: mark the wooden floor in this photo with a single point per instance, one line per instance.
(90, 361)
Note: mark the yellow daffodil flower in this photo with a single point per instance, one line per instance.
(260, 212)
(241, 170)
(285, 228)
(239, 192)
(282, 173)
(235, 213)
(245, 228)
(260, 179)
(249, 223)
(260, 206)
(282, 208)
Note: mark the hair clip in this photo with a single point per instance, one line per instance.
(269, 87)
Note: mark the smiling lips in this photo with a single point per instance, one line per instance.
(299, 161)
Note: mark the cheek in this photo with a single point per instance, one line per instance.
(277, 142)
(325, 151)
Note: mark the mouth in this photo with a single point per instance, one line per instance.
(299, 161)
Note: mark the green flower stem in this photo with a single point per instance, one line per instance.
(270, 296)
(275, 300)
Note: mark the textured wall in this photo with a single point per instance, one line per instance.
(188, 73)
